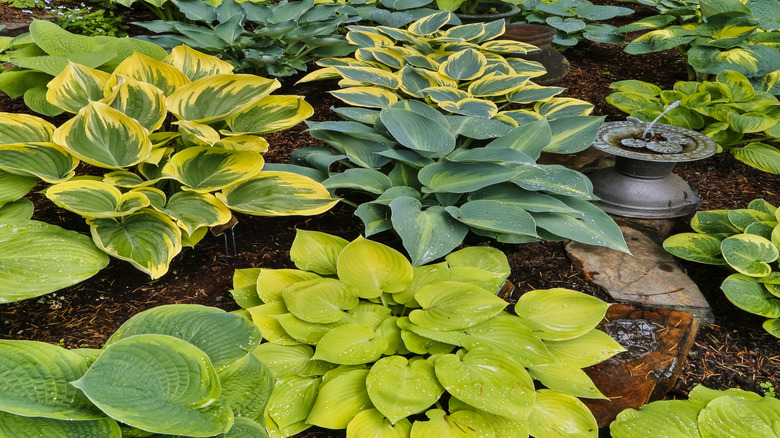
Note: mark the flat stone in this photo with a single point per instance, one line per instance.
(658, 229)
(650, 277)
(657, 342)
(14, 29)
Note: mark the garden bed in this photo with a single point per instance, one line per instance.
(733, 352)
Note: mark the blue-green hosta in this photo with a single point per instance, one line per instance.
(358, 339)
(182, 369)
(707, 413)
(158, 186)
(717, 35)
(47, 50)
(724, 109)
(747, 241)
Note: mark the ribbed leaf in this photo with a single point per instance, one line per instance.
(316, 252)
(281, 194)
(450, 305)
(760, 156)
(455, 177)
(507, 334)
(321, 300)
(371, 265)
(193, 210)
(205, 169)
(24, 128)
(196, 65)
(271, 114)
(749, 295)
(18, 426)
(140, 100)
(13, 187)
(370, 97)
(339, 400)
(586, 350)
(76, 86)
(399, 388)
(567, 379)
(219, 97)
(145, 69)
(57, 41)
(350, 344)
(95, 199)
(47, 161)
(749, 254)
(556, 413)
(465, 65)
(550, 313)
(426, 234)
(371, 421)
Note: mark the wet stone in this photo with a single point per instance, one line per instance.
(656, 342)
(648, 277)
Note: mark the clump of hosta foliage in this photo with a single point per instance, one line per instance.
(35, 58)
(359, 339)
(182, 369)
(154, 186)
(747, 241)
(725, 110)
(257, 37)
(706, 413)
(444, 136)
(716, 35)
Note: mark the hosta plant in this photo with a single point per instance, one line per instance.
(393, 13)
(266, 39)
(360, 340)
(726, 109)
(717, 35)
(153, 186)
(574, 20)
(746, 241)
(706, 413)
(182, 369)
(35, 58)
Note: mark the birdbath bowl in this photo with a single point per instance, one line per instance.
(641, 184)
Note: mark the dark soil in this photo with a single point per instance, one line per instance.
(733, 352)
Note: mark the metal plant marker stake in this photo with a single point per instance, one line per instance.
(642, 185)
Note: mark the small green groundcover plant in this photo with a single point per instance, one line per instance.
(358, 339)
(746, 241)
(154, 186)
(707, 413)
(726, 110)
(184, 370)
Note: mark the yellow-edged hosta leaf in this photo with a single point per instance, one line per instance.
(76, 86)
(219, 97)
(123, 178)
(320, 75)
(273, 193)
(368, 39)
(370, 97)
(388, 56)
(497, 85)
(445, 94)
(558, 107)
(147, 239)
(272, 114)
(372, 265)
(197, 134)
(24, 128)
(430, 23)
(471, 107)
(205, 169)
(751, 122)
(193, 210)
(413, 80)
(252, 143)
(369, 76)
(467, 31)
(139, 100)
(465, 65)
(196, 65)
(95, 199)
(48, 161)
(508, 46)
(145, 69)
(104, 137)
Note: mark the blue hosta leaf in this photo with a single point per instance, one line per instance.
(426, 234)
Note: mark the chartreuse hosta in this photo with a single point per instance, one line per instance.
(182, 369)
(427, 138)
(707, 413)
(725, 109)
(748, 242)
(158, 186)
(360, 340)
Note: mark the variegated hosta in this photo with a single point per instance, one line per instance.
(360, 340)
(159, 186)
(463, 70)
(176, 370)
(747, 241)
(717, 35)
(725, 110)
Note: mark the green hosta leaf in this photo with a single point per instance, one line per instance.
(126, 47)
(507, 333)
(372, 422)
(558, 414)
(35, 99)
(290, 403)
(366, 180)
(205, 169)
(482, 257)
(146, 69)
(193, 210)
(696, 247)
(39, 258)
(35, 382)
(288, 360)
(321, 300)
(196, 65)
(750, 60)
(489, 381)
(749, 295)
(302, 331)
(173, 393)
(232, 93)
(567, 379)
(760, 156)
(15, 83)
(418, 132)
(104, 137)
(731, 416)
(586, 350)
(426, 234)
(399, 388)
(339, 400)
(551, 313)
(316, 252)
(450, 305)
(555, 179)
(48, 161)
(18, 426)
(57, 41)
(24, 128)
(465, 177)
(147, 239)
(660, 39)
(371, 265)
(572, 133)
(350, 344)
(460, 424)
(19, 209)
(772, 326)
(271, 114)
(273, 193)
(264, 316)
(76, 86)
(95, 199)
(465, 65)
(370, 97)
(676, 418)
(749, 254)
(142, 101)
(224, 337)
(637, 87)
(246, 385)
(495, 216)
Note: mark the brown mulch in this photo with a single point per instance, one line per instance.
(733, 352)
